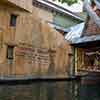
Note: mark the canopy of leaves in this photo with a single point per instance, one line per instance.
(69, 2)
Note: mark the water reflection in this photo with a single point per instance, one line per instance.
(90, 92)
(50, 91)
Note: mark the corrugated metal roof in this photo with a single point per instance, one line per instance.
(74, 36)
(86, 39)
(76, 32)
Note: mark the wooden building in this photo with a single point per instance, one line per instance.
(87, 47)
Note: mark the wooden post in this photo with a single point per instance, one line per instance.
(72, 63)
(76, 59)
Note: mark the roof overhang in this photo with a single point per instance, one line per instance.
(20, 4)
(87, 41)
(56, 8)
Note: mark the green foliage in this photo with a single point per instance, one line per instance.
(69, 2)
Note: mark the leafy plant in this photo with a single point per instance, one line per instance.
(69, 2)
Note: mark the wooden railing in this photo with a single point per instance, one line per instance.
(95, 68)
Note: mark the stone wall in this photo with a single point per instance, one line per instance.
(38, 48)
(27, 5)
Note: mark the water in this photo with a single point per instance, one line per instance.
(50, 91)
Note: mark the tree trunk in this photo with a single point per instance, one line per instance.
(91, 13)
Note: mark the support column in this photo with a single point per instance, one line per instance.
(72, 63)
